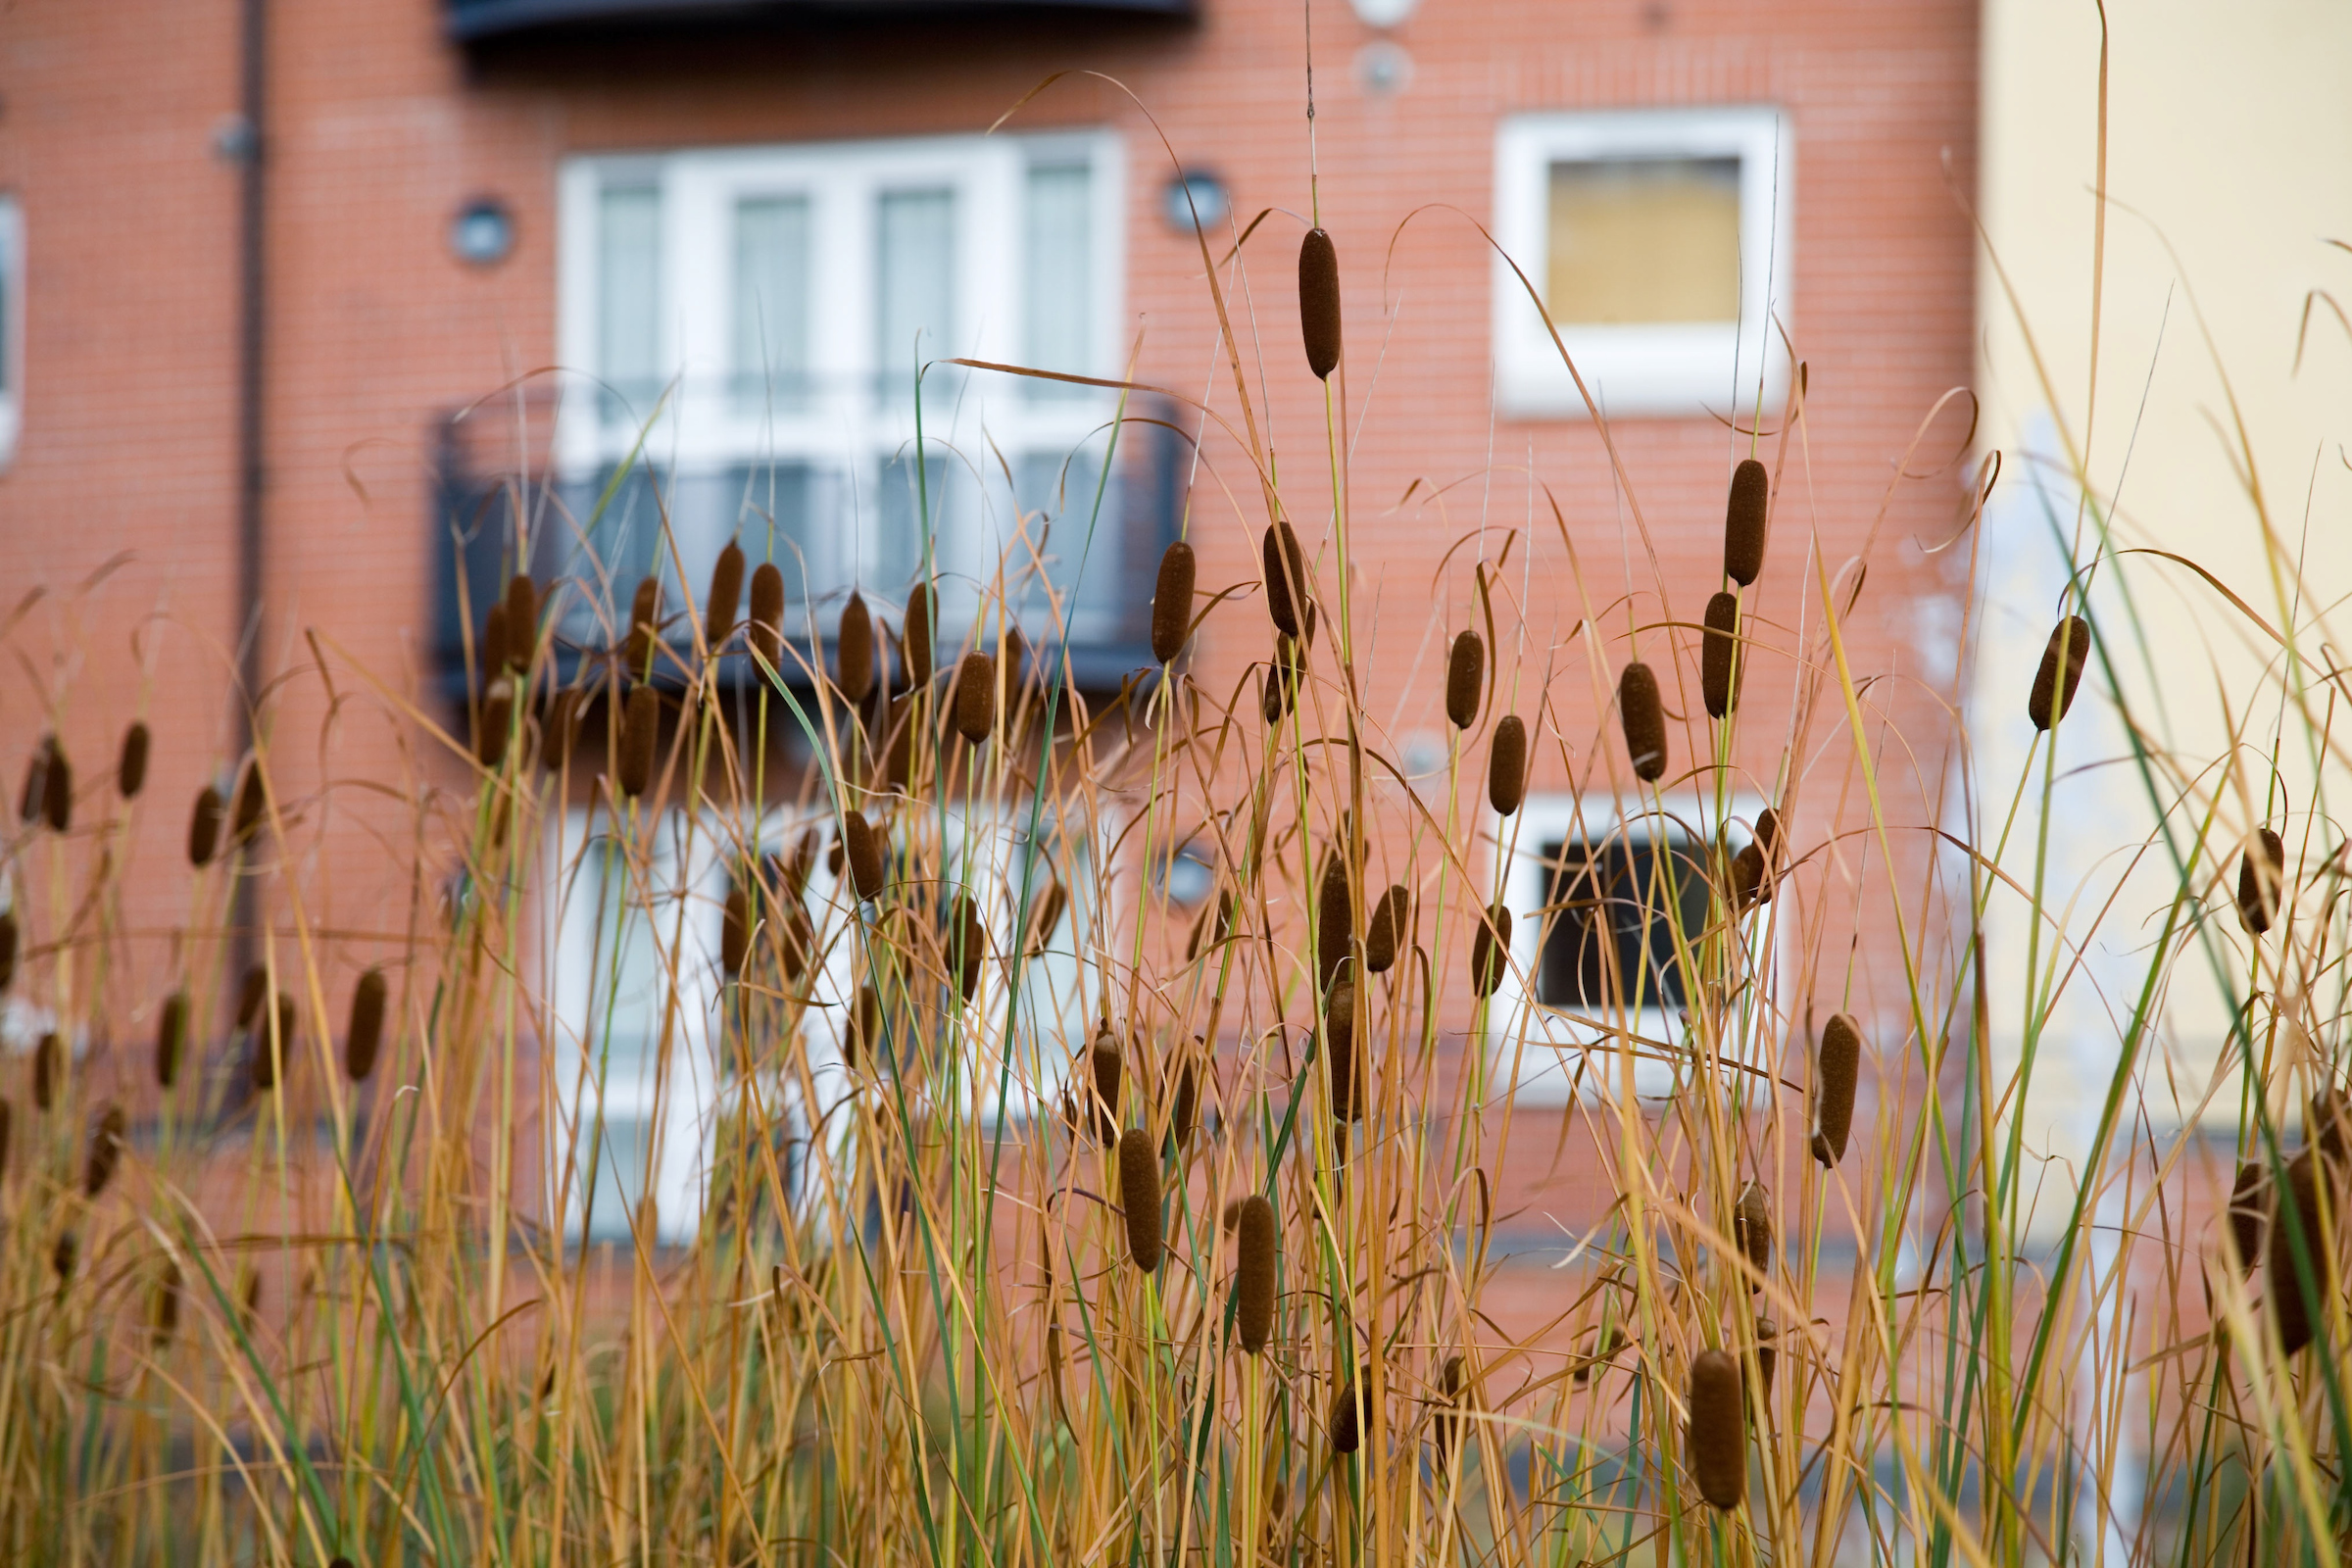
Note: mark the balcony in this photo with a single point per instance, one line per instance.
(471, 21)
(823, 481)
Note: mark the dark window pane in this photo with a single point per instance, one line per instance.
(1613, 932)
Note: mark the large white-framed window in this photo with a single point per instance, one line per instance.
(749, 321)
(1659, 240)
(1597, 898)
(12, 326)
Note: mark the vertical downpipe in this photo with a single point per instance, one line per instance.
(253, 95)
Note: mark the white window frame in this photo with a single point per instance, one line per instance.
(1646, 369)
(1553, 1042)
(12, 277)
(850, 432)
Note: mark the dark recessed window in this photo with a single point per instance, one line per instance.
(1613, 912)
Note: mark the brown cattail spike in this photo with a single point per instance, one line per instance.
(48, 1071)
(1751, 1228)
(56, 789)
(1833, 1080)
(1718, 1435)
(106, 1151)
(1717, 661)
(2298, 1218)
(735, 930)
(645, 624)
(1105, 1067)
(1332, 916)
(914, 648)
(1184, 1102)
(1490, 950)
(1277, 694)
(253, 804)
(970, 945)
(2249, 1215)
(203, 827)
(1319, 301)
(1172, 602)
(854, 649)
(2051, 698)
(561, 731)
(1750, 885)
(1389, 930)
(523, 620)
(1768, 836)
(1045, 916)
(130, 765)
(1348, 1090)
(171, 1037)
(2261, 879)
(865, 853)
(1449, 1394)
(1350, 1415)
(1465, 678)
(975, 696)
(1506, 765)
(726, 592)
(863, 1038)
(640, 735)
(494, 656)
(766, 633)
(1744, 523)
(8, 947)
(1644, 719)
(163, 1316)
(1254, 1279)
(1139, 1197)
(63, 1255)
(36, 778)
(1284, 563)
(366, 1035)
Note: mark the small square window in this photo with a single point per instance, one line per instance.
(1616, 908)
(1658, 243)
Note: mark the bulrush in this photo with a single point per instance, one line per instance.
(63, 1255)
(366, 1035)
(8, 948)
(1751, 1228)
(640, 735)
(48, 1071)
(1445, 1425)
(2249, 1215)
(2261, 878)
(1834, 1079)
(766, 633)
(163, 1313)
(105, 1153)
(253, 804)
(1506, 765)
(1254, 1279)
(1285, 563)
(1644, 719)
(1465, 678)
(1332, 916)
(854, 649)
(1105, 1071)
(1750, 884)
(130, 764)
(861, 1036)
(2298, 1218)
(726, 593)
(57, 787)
(1718, 1432)
(645, 623)
(917, 634)
(975, 696)
(1716, 662)
(1172, 602)
(1768, 837)
(1319, 301)
(968, 941)
(735, 929)
(1349, 1092)
(171, 1037)
(1139, 1197)
(1744, 523)
(37, 779)
(2051, 696)
(493, 651)
(865, 853)
(523, 620)
(561, 731)
(203, 827)
(1276, 697)
(1046, 911)
(1390, 929)
(1490, 950)
(1351, 1414)
(1184, 1101)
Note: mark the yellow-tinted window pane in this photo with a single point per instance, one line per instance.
(1644, 239)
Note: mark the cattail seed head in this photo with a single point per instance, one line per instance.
(2051, 696)
(1744, 523)
(1490, 950)
(970, 942)
(766, 634)
(48, 1071)
(1768, 835)
(1319, 301)
(2249, 1215)
(105, 1153)
(63, 1255)
(863, 1038)
(56, 789)
(1752, 1229)
(1255, 1281)
(1045, 916)
(1833, 1080)
(1285, 563)
(1604, 1350)
(253, 804)
(1105, 1066)
(1212, 927)
(1184, 1102)
(2261, 879)
(1644, 719)
(498, 724)
(865, 853)
(163, 1314)
(523, 620)
(1332, 916)
(1767, 1357)
(1276, 695)
(1351, 1093)
(1390, 929)
(1139, 1197)
(1749, 883)
(203, 827)
(1717, 665)
(2290, 1308)
(1351, 1414)
(561, 731)
(854, 649)
(366, 1035)
(494, 652)
(171, 1037)
(1172, 602)
(8, 948)
(922, 617)
(735, 930)
(130, 764)
(1506, 765)
(645, 624)
(36, 780)
(1718, 1433)
(640, 735)
(975, 696)
(2327, 1122)
(1445, 1425)
(726, 592)
(1465, 678)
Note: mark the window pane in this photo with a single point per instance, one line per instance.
(1055, 493)
(628, 293)
(914, 293)
(892, 548)
(1613, 925)
(1644, 239)
(1059, 276)
(771, 300)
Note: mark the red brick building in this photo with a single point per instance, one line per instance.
(759, 210)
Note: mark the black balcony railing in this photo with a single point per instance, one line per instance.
(486, 21)
(833, 522)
